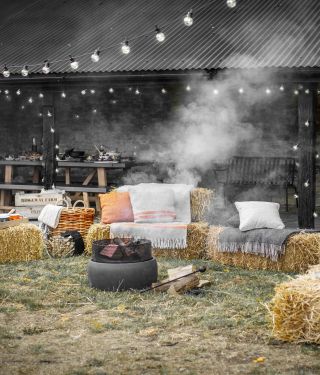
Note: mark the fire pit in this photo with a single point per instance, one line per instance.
(122, 264)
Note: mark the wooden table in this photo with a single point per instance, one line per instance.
(9, 166)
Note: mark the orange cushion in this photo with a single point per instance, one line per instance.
(115, 207)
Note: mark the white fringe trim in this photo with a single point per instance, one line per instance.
(160, 243)
(268, 250)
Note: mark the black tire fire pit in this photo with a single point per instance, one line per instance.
(122, 264)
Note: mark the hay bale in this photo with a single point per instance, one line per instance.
(295, 309)
(23, 242)
(96, 232)
(201, 203)
(301, 251)
(197, 234)
(196, 239)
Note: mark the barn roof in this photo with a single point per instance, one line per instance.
(255, 33)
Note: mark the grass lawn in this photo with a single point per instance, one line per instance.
(51, 322)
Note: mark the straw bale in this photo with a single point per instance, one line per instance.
(301, 251)
(96, 232)
(197, 234)
(201, 203)
(295, 310)
(196, 240)
(23, 242)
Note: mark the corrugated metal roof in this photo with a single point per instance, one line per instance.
(256, 33)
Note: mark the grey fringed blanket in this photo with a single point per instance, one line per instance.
(269, 243)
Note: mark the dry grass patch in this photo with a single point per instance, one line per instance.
(53, 323)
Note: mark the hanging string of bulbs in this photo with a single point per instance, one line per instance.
(95, 56)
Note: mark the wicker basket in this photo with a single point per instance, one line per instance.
(74, 218)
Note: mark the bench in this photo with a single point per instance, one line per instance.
(266, 171)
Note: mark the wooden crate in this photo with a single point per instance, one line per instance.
(37, 199)
(31, 212)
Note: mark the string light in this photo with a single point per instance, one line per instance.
(137, 92)
(307, 123)
(295, 147)
(95, 57)
(83, 92)
(115, 102)
(306, 184)
(163, 91)
(63, 94)
(25, 71)
(46, 67)
(296, 92)
(49, 114)
(6, 72)
(268, 91)
(56, 147)
(215, 91)
(188, 88)
(57, 170)
(6, 92)
(51, 130)
(30, 100)
(18, 92)
(22, 107)
(93, 91)
(40, 114)
(125, 48)
(317, 155)
(188, 19)
(160, 35)
(315, 214)
(307, 91)
(77, 116)
(41, 95)
(241, 91)
(94, 111)
(111, 90)
(231, 3)
(296, 196)
(281, 88)
(73, 63)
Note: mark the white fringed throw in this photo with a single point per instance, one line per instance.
(161, 235)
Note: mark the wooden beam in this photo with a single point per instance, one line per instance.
(49, 146)
(306, 169)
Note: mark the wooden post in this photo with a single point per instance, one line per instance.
(306, 169)
(49, 155)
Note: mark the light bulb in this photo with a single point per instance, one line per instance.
(315, 214)
(125, 47)
(306, 184)
(40, 114)
(49, 114)
(307, 123)
(215, 91)
(6, 92)
(95, 57)
(317, 156)
(296, 92)
(52, 130)
(30, 100)
(241, 91)
(188, 88)
(296, 196)
(77, 116)
(18, 92)
(93, 91)
(231, 3)
(57, 170)
(295, 147)
(83, 92)
(164, 91)
(25, 71)
(307, 91)
(63, 94)
(74, 63)
(94, 111)
(6, 72)
(188, 20)
(160, 35)
(41, 95)
(137, 92)
(281, 88)
(111, 90)
(22, 107)
(46, 67)
(268, 91)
